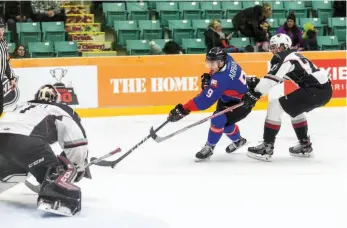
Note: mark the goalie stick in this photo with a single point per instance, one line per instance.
(36, 188)
(112, 164)
(159, 139)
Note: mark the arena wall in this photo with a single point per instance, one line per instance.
(135, 85)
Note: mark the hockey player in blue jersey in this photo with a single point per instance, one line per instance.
(226, 84)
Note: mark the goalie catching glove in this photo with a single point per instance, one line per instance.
(177, 113)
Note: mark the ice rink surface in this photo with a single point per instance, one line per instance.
(160, 185)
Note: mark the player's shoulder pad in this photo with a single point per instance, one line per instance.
(280, 56)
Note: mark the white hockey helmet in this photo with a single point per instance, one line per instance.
(48, 93)
(279, 40)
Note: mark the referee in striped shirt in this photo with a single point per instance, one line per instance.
(5, 68)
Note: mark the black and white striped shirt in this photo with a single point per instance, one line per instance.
(5, 68)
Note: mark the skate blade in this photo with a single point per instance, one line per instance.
(202, 160)
(46, 207)
(308, 155)
(266, 157)
(238, 148)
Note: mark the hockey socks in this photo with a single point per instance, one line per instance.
(300, 128)
(214, 135)
(216, 129)
(271, 129)
(233, 132)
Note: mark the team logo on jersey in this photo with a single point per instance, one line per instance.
(11, 96)
(214, 83)
(67, 93)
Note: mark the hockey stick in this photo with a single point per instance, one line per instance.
(112, 164)
(159, 139)
(36, 188)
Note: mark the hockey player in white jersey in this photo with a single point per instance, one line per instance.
(314, 91)
(25, 137)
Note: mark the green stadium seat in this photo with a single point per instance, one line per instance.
(240, 42)
(138, 10)
(194, 46)
(278, 9)
(66, 49)
(28, 32)
(227, 26)
(150, 29)
(316, 23)
(126, 30)
(248, 4)
(338, 26)
(273, 22)
(167, 11)
(11, 47)
(181, 29)
(137, 47)
(328, 43)
(323, 10)
(231, 8)
(200, 27)
(114, 12)
(190, 10)
(298, 7)
(53, 31)
(8, 36)
(40, 49)
(211, 10)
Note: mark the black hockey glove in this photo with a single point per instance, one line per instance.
(250, 98)
(252, 82)
(177, 113)
(205, 80)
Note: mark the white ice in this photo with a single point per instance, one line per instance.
(160, 185)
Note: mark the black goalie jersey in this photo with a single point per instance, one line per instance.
(50, 122)
(291, 65)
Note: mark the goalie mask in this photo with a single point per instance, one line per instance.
(48, 93)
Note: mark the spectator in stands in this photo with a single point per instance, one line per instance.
(263, 41)
(310, 37)
(293, 31)
(45, 11)
(214, 37)
(170, 48)
(17, 11)
(339, 8)
(247, 21)
(19, 52)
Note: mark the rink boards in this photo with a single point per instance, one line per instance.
(134, 85)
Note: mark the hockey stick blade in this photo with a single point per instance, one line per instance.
(159, 139)
(112, 164)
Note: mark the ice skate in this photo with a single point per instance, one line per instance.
(261, 152)
(236, 145)
(205, 153)
(302, 149)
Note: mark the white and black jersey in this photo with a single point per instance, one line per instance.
(5, 68)
(50, 122)
(291, 65)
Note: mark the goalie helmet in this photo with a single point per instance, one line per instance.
(280, 40)
(48, 93)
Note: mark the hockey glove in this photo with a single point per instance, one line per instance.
(250, 98)
(205, 80)
(252, 82)
(177, 113)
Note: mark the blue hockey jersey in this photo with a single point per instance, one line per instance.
(227, 84)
